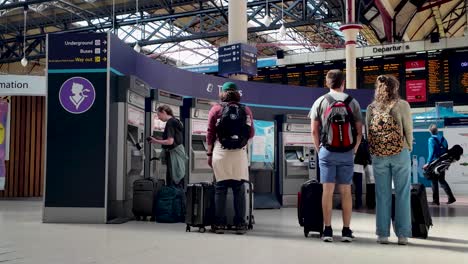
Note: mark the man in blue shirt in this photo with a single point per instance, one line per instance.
(437, 146)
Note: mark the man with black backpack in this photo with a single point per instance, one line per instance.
(230, 126)
(438, 146)
(337, 130)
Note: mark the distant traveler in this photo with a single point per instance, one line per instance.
(337, 131)
(390, 134)
(230, 126)
(174, 152)
(437, 147)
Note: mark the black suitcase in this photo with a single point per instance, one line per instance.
(144, 195)
(309, 207)
(249, 200)
(200, 206)
(421, 219)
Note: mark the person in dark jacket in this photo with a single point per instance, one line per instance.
(438, 146)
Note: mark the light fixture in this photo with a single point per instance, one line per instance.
(282, 30)
(137, 48)
(24, 61)
(267, 19)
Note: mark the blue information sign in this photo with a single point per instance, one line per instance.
(237, 59)
(77, 51)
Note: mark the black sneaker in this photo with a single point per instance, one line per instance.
(451, 201)
(241, 229)
(347, 235)
(219, 229)
(327, 235)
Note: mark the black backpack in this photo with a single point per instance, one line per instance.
(232, 129)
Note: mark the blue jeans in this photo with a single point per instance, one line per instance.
(398, 169)
(239, 201)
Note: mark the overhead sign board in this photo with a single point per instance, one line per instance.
(237, 59)
(77, 51)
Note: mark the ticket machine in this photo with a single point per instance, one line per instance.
(126, 143)
(155, 165)
(196, 123)
(297, 156)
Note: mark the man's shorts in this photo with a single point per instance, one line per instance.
(336, 167)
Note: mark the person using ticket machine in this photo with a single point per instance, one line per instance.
(171, 141)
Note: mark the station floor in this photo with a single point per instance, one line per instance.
(276, 238)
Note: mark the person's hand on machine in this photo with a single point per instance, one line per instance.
(152, 140)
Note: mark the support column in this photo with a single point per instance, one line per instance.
(237, 28)
(350, 31)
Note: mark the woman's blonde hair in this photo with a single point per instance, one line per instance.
(386, 91)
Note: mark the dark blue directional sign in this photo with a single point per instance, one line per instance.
(77, 51)
(237, 59)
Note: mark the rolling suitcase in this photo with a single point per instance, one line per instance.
(309, 207)
(249, 218)
(421, 219)
(144, 194)
(200, 206)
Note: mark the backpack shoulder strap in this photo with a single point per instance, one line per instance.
(329, 98)
(437, 141)
(319, 108)
(348, 100)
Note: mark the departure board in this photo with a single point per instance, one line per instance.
(415, 78)
(276, 75)
(370, 70)
(294, 75)
(437, 73)
(392, 65)
(459, 71)
(261, 76)
(333, 65)
(313, 75)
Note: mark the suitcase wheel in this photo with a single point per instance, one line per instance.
(202, 230)
(187, 229)
(153, 219)
(250, 227)
(137, 217)
(306, 233)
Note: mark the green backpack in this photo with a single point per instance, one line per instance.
(170, 205)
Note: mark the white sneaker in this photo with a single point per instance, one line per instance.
(382, 240)
(403, 241)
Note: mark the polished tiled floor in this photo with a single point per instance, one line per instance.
(277, 238)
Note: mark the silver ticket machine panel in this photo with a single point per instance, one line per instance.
(127, 143)
(157, 167)
(298, 158)
(197, 125)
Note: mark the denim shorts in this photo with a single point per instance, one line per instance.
(336, 167)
